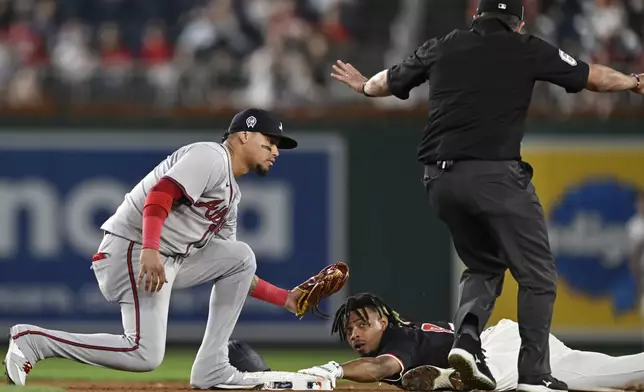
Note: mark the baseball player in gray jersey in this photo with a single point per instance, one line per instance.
(175, 229)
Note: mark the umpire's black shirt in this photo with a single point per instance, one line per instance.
(481, 83)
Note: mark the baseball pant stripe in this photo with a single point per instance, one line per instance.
(137, 317)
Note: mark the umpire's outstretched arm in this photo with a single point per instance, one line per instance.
(397, 80)
(401, 78)
(605, 79)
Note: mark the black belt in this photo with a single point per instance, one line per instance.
(445, 165)
(441, 165)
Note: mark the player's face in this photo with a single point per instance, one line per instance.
(364, 335)
(263, 153)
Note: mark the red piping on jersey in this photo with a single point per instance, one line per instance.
(210, 229)
(183, 190)
(137, 317)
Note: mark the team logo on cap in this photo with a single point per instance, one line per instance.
(251, 121)
(503, 6)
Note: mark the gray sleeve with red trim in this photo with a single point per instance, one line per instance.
(197, 168)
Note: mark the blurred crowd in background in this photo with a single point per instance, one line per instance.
(269, 53)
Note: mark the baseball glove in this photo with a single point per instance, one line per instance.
(326, 283)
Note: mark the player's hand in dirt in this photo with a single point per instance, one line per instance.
(331, 371)
(291, 301)
(349, 75)
(152, 270)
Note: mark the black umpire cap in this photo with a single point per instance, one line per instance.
(262, 121)
(511, 7)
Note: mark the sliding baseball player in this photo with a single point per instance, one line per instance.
(414, 357)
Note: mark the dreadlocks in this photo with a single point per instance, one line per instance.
(359, 303)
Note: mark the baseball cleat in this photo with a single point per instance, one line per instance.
(545, 383)
(467, 365)
(466, 357)
(16, 365)
(431, 378)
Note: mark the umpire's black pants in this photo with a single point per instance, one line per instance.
(496, 223)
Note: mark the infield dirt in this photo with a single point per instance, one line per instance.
(88, 386)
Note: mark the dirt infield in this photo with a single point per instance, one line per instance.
(88, 386)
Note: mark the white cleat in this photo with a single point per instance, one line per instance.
(275, 381)
(431, 378)
(16, 365)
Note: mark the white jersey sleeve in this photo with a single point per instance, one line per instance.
(198, 169)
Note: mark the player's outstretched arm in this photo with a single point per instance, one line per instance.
(267, 292)
(358, 370)
(371, 369)
(306, 296)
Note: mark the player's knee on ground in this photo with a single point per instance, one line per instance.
(149, 357)
(218, 369)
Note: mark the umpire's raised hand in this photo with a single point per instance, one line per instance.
(349, 75)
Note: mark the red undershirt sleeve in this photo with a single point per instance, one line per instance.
(267, 292)
(156, 209)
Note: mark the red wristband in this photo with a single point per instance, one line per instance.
(267, 292)
(155, 211)
(153, 218)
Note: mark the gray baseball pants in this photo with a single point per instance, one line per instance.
(229, 265)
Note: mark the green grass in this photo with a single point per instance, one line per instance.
(30, 389)
(176, 366)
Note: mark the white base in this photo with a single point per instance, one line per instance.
(295, 382)
(284, 381)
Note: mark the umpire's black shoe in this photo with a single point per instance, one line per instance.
(544, 383)
(467, 358)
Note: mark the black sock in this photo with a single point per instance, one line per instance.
(470, 326)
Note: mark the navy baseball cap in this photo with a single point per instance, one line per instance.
(262, 121)
(511, 7)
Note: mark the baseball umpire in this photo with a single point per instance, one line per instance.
(481, 81)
